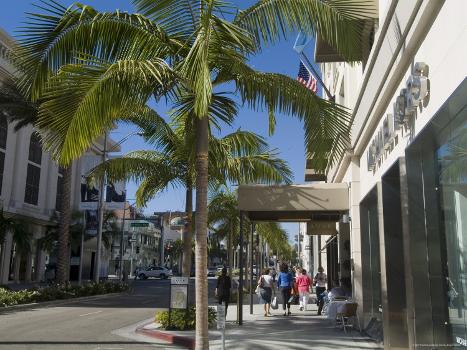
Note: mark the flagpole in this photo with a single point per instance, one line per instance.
(309, 66)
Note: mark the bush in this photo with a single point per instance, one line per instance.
(181, 319)
(57, 291)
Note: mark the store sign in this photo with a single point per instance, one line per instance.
(417, 91)
(321, 228)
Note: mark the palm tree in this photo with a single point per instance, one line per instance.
(225, 222)
(16, 107)
(239, 157)
(119, 60)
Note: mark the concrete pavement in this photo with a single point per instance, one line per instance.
(110, 324)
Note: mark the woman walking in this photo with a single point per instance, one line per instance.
(223, 289)
(285, 283)
(304, 285)
(266, 289)
(320, 281)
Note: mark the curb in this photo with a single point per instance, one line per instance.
(20, 307)
(171, 338)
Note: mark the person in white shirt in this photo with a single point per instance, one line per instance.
(266, 289)
(320, 281)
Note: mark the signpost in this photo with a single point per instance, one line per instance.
(221, 322)
(178, 294)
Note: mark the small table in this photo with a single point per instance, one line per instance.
(335, 307)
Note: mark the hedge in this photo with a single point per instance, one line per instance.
(181, 319)
(54, 292)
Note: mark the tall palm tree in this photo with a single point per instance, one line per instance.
(239, 157)
(119, 60)
(16, 107)
(225, 222)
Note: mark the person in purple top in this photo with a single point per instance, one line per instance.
(285, 284)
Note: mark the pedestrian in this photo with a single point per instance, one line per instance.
(285, 284)
(320, 282)
(304, 285)
(223, 289)
(266, 290)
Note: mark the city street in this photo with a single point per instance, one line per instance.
(86, 324)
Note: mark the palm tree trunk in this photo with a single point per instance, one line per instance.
(230, 252)
(63, 228)
(187, 235)
(202, 147)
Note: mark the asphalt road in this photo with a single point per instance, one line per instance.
(87, 324)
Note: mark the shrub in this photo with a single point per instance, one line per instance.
(57, 291)
(181, 319)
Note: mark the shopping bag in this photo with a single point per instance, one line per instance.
(258, 290)
(274, 304)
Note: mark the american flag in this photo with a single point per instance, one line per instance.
(306, 78)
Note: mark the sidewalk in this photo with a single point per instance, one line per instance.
(301, 330)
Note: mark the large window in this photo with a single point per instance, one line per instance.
(3, 139)
(58, 198)
(31, 195)
(437, 188)
(33, 176)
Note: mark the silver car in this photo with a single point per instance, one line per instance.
(154, 271)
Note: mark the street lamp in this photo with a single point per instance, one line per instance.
(122, 238)
(102, 200)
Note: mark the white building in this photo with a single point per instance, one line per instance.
(406, 170)
(30, 190)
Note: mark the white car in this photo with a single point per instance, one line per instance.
(154, 271)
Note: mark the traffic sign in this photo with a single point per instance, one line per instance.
(132, 240)
(179, 280)
(139, 224)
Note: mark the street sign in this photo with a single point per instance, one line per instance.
(139, 224)
(220, 316)
(307, 247)
(179, 280)
(132, 240)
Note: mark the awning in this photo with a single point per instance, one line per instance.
(323, 201)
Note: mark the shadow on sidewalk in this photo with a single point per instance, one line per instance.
(301, 330)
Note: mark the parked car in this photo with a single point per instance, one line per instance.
(154, 271)
(212, 271)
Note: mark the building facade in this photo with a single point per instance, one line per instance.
(30, 191)
(403, 240)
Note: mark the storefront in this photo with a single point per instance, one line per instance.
(437, 225)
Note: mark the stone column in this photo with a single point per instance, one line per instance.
(40, 265)
(28, 275)
(5, 258)
(16, 267)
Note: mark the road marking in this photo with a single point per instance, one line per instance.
(91, 313)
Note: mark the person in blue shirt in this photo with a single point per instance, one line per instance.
(285, 284)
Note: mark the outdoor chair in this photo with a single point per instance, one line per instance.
(348, 312)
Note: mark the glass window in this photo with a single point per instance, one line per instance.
(31, 195)
(58, 198)
(452, 172)
(35, 149)
(3, 132)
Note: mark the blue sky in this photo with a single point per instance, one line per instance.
(288, 138)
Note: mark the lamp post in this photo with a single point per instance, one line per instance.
(122, 236)
(101, 205)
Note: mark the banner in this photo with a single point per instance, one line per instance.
(115, 195)
(91, 222)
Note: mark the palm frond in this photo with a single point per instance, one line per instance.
(57, 35)
(177, 17)
(337, 21)
(14, 106)
(325, 122)
(83, 101)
